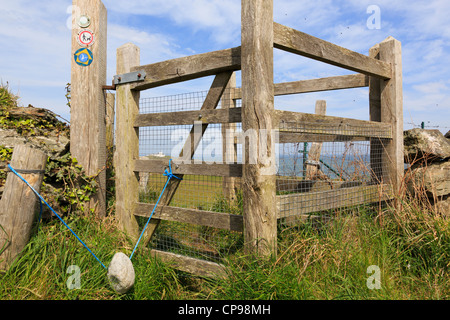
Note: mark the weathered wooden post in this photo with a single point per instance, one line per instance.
(127, 143)
(259, 188)
(88, 76)
(110, 119)
(18, 204)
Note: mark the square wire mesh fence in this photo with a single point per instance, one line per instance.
(317, 174)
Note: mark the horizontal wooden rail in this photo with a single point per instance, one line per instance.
(205, 169)
(217, 220)
(232, 115)
(195, 266)
(314, 202)
(298, 137)
(309, 123)
(297, 42)
(315, 85)
(188, 68)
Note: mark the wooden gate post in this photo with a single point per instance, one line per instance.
(392, 110)
(87, 113)
(259, 188)
(18, 204)
(127, 142)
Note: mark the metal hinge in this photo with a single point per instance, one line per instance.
(126, 78)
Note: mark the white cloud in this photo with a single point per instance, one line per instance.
(221, 18)
(36, 54)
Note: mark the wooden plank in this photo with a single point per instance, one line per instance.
(296, 137)
(188, 117)
(259, 188)
(316, 85)
(319, 124)
(194, 266)
(392, 111)
(18, 203)
(188, 68)
(127, 144)
(204, 168)
(315, 202)
(211, 102)
(87, 112)
(297, 42)
(192, 216)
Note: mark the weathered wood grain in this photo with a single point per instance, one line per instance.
(316, 85)
(197, 217)
(18, 203)
(87, 120)
(297, 42)
(188, 68)
(392, 110)
(127, 144)
(188, 117)
(198, 267)
(320, 124)
(206, 169)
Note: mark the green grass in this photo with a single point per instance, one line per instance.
(411, 247)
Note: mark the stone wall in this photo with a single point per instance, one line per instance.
(428, 154)
(33, 127)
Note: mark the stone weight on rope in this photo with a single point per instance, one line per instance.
(121, 273)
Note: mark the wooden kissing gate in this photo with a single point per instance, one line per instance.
(381, 71)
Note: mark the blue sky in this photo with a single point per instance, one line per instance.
(35, 53)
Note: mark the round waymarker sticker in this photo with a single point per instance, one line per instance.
(84, 57)
(85, 37)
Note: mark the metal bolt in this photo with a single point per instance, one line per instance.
(139, 75)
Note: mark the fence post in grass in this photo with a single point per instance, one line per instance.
(258, 183)
(110, 118)
(127, 142)
(88, 76)
(392, 110)
(18, 204)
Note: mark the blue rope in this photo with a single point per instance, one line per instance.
(169, 176)
(42, 200)
(167, 173)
